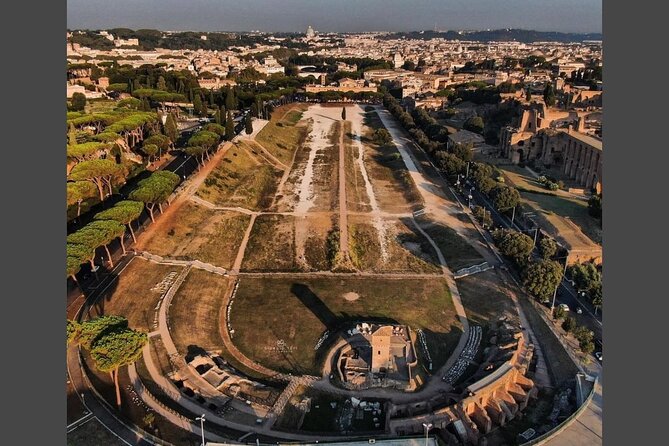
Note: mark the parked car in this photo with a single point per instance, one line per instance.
(564, 307)
(579, 311)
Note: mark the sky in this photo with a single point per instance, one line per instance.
(336, 15)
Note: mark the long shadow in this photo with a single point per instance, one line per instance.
(416, 237)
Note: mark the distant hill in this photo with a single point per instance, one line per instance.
(499, 35)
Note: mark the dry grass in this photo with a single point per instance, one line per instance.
(485, 298)
(557, 209)
(196, 232)
(241, 179)
(408, 251)
(356, 194)
(392, 184)
(298, 311)
(321, 243)
(131, 294)
(195, 312)
(271, 245)
(455, 249)
(281, 136)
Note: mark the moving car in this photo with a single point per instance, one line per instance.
(598, 355)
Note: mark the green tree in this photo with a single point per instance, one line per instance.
(117, 349)
(198, 106)
(198, 152)
(71, 135)
(569, 324)
(155, 190)
(512, 243)
(449, 163)
(541, 278)
(528, 95)
(91, 330)
(204, 139)
(171, 129)
(382, 137)
(595, 206)
(108, 230)
(547, 247)
(78, 102)
(161, 84)
(150, 150)
(481, 174)
(463, 151)
(78, 192)
(549, 94)
(474, 124)
(248, 125)
(124, 212)
(229, 127)
(343, 113)
(215, 128)
(586, 276)
(254, 110)
(78, 253)
(505, 197)
(230, 100)
(163, 143)
(73, 266)
(483, 215)
(73, 330)
(146, 105)
(100, 172)
(559, 312)
(596, 297)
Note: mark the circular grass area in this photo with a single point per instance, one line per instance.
(278, 321)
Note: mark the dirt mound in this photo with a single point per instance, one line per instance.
(350, 296)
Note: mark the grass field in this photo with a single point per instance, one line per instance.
(455, 249)
(553, 205)
(392, 184)
(408, 251)
(92, 432)
(195, 311)
(281, 136)
(241, 179)
(485, 299)
(321, 242)
(556, 209)
(131, 294)
(195, 232)
(298, 311)
(271, 245)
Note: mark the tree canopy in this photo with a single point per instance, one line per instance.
(505, 197)
(512, 243)
(541, 278)
(99, 171)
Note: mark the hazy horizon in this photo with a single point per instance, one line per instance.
(569, 16)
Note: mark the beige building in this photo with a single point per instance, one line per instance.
(578, 155)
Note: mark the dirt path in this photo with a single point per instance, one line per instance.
(356, 129)
(242, 246)
(267, 155)
(343, 211)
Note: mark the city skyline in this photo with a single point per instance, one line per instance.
(569, 16)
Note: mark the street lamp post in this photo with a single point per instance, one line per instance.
(427, 427)
(201, 420)
(513, 215)
(564, 271)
